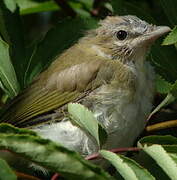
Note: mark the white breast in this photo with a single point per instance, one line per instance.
(130, 117)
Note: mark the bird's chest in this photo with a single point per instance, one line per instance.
(109, 104)
(123, 113)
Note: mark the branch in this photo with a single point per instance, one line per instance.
(162, 125)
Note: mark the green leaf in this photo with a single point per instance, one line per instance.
(59, 159)
(173, 90)
(81, 8)
(7, 128)
(10, 4)
(30, 6)
(125, 171)
(164, 60)
(168, 142)
(128, 168)
(169, 8)
(155, 139)
(163, 159)
(12, 33)
(171, 96)
(168, 99)
(170, 148)
(174, 157)
(162, 86)
(171, 38)
(122, 7)
(118, 6)
(86, 4)
(56, 41)
(85, 119)
(102, 134)
(8, 78)
(5, 171)
(167, 70)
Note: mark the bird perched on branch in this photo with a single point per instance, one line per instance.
(105, 71)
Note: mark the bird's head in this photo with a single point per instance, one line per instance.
(125, 37)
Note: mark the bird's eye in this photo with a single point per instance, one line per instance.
(121, 35)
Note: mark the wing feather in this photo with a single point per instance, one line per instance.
(48, 94)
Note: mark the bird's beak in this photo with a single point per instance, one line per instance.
(154, 34)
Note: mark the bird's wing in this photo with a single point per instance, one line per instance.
(52, 91)
(24, 110)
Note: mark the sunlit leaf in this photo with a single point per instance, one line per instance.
(30, 6)
(10, 4)
(127, 167)
(50, 155)
(163, 159)
(171, 38)
(7, 128)
(85, 119)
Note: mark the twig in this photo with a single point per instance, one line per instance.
(118, 150)
(66, 7)
(55, 176)
(162, 125)
(93, 156)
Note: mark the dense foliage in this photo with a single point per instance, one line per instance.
(33, 33)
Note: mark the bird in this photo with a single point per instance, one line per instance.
(106, 71)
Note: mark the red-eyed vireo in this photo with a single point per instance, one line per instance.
(106, 71)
